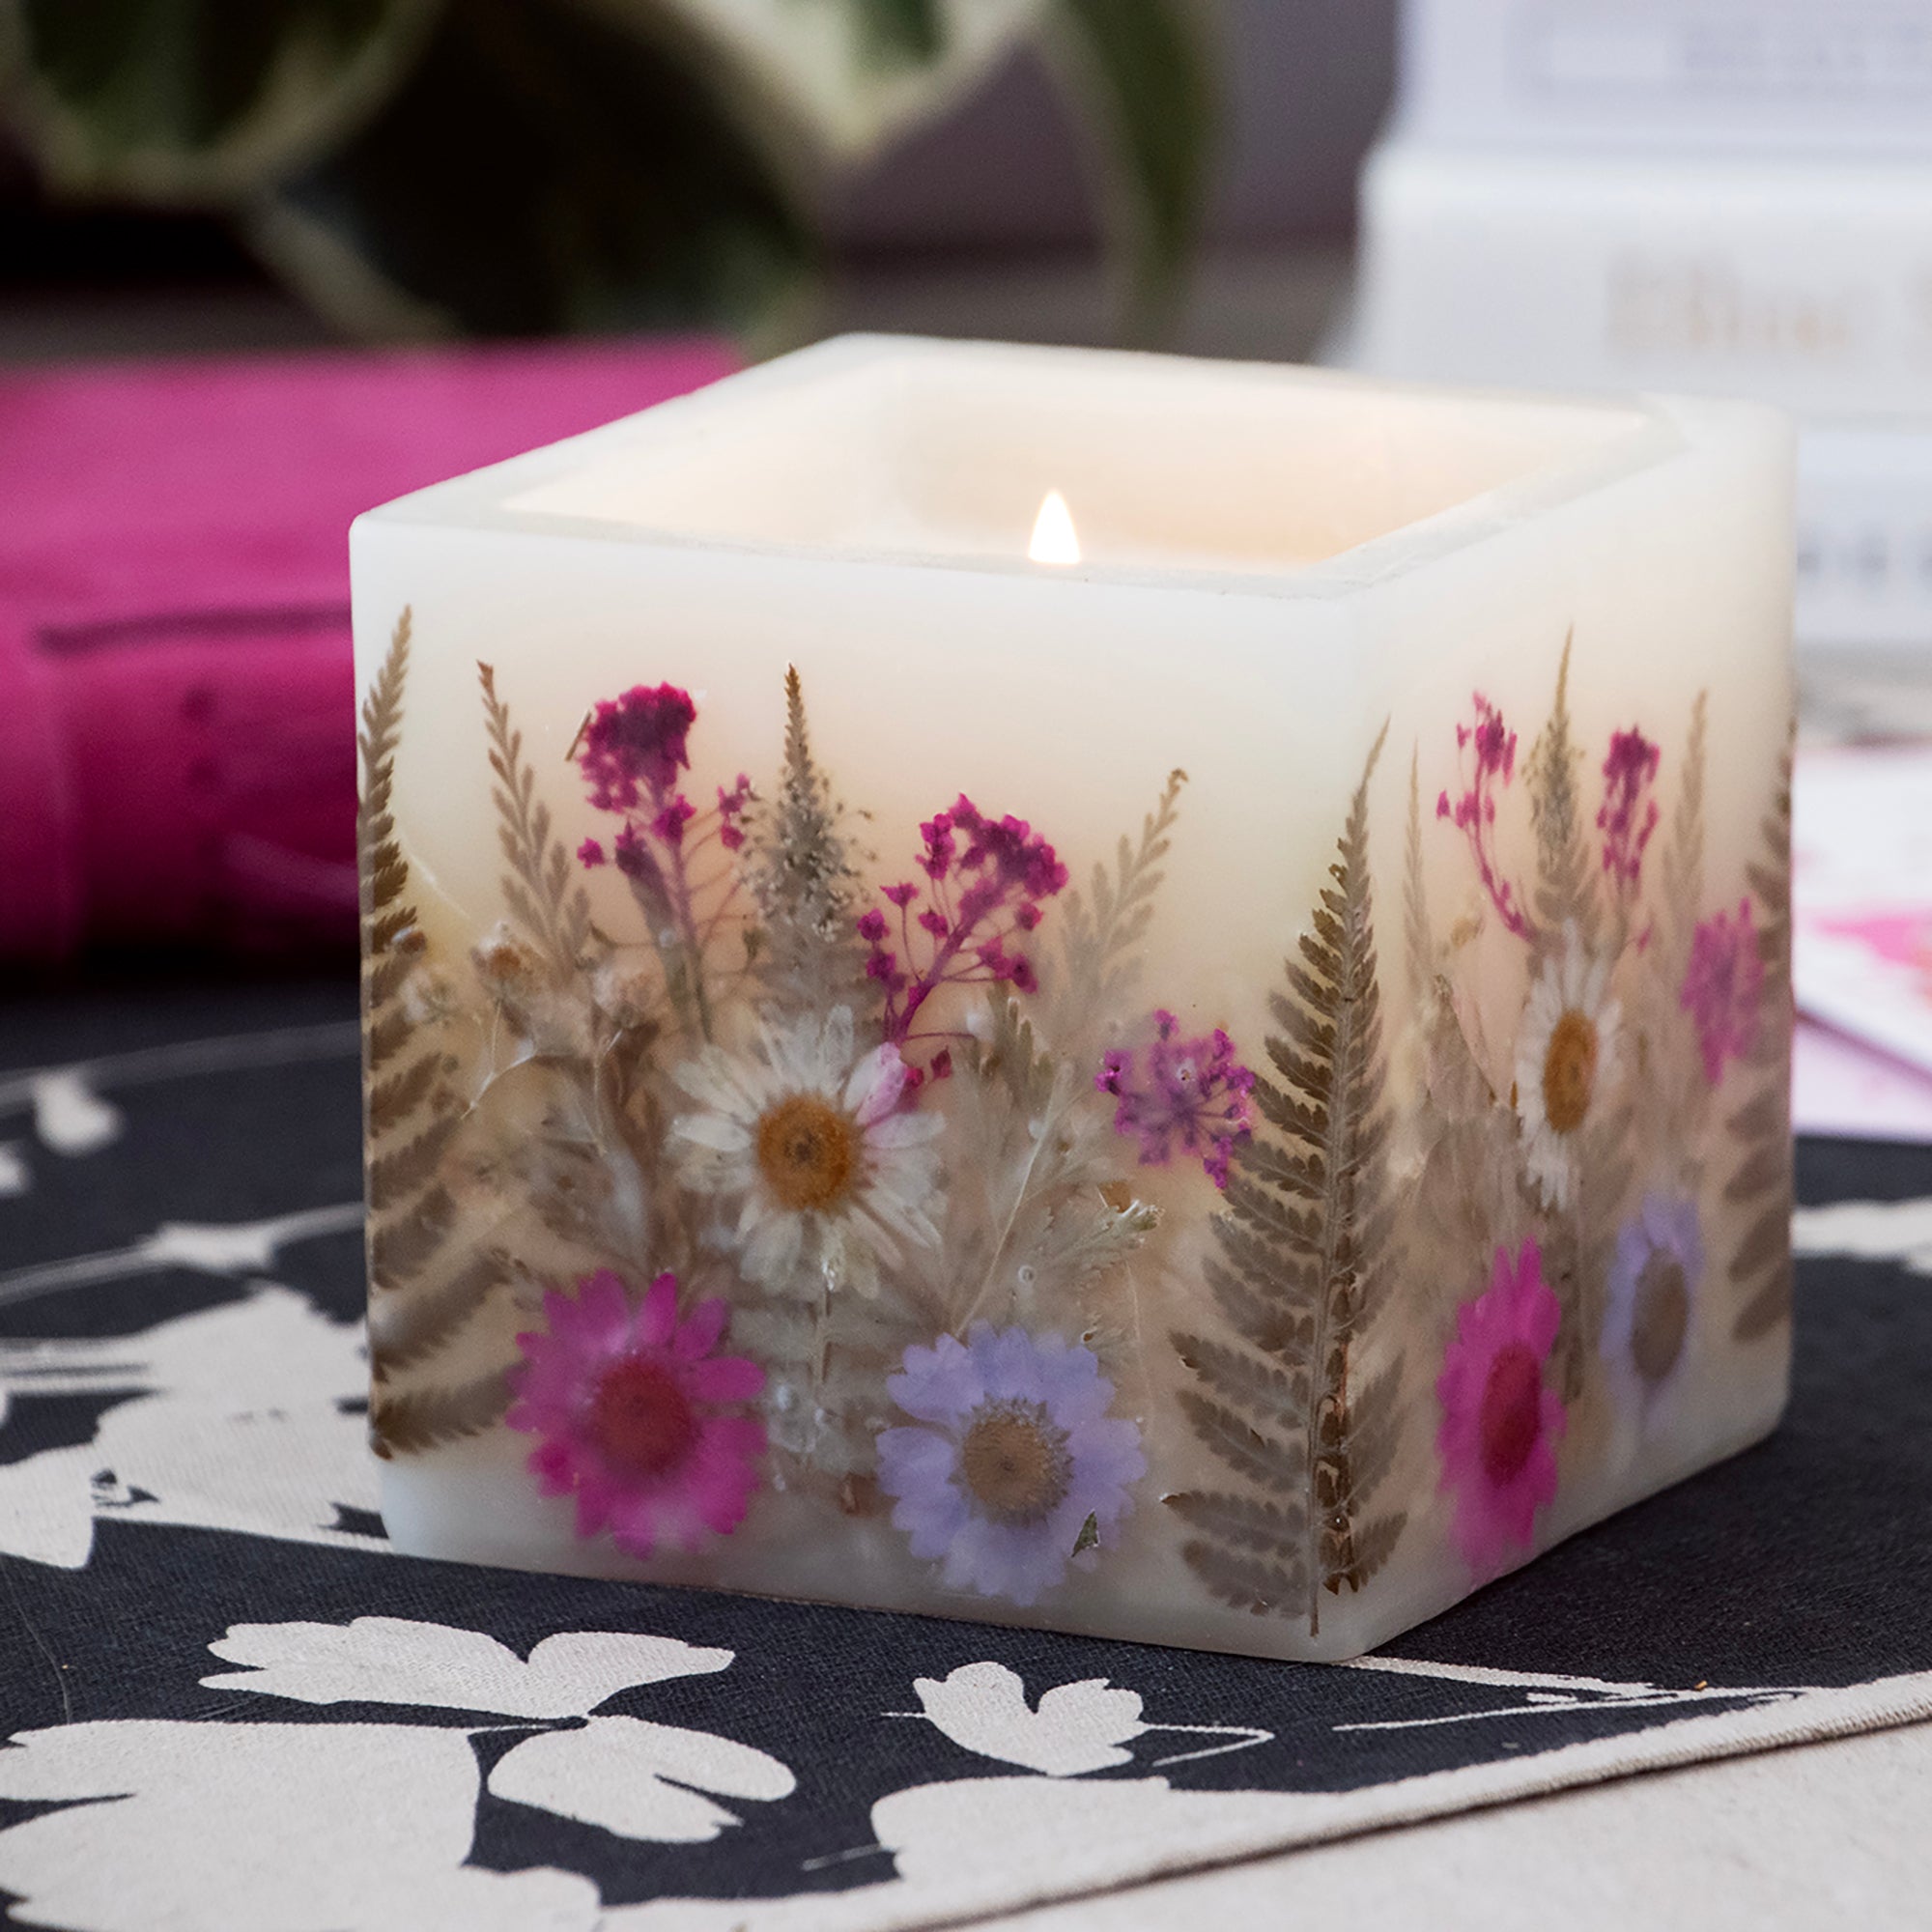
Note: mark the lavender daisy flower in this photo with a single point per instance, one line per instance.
(1652, 1301)
(1016, 1465)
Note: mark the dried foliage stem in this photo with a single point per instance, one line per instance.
(1305, 1261)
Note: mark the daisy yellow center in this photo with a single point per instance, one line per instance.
(1569, 1071)
(1511, 1416)
(640, 1420)
(1662, 1318)
(1014, 1463)
(808, 1152)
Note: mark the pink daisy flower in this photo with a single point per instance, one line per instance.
(633, 1409)
(1500, 1423)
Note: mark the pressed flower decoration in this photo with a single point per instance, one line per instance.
(637, 1417)
(915, 1141)
(1723, 985)
(1012, 1469)
(810, 1135)
(1655, 1277)
(1185, 1096)
(1501, 1420)
(1566, 1060)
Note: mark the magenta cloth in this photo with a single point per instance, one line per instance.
(177, 762)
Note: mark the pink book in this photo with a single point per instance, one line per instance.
(176, 761)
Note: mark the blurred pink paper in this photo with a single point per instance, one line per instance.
(1839, 1086)
(176, 752)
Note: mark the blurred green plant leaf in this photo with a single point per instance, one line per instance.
(540, 170)
(195, 101)
(903, 30)
(831, 81)
(1143, 69)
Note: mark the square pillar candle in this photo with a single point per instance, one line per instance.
(1143, 996)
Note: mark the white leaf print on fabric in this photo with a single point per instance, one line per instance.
(360, 1827)
(16, 1177)
(1078, 1727)
(396, 1660)
(1873, 1230)
(304, 1828)
(232, 1248)
(631, 1777)
(241, 1418)
(70, 1117)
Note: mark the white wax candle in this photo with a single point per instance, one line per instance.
(1021, 1252)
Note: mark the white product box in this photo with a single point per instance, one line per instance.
(1802, 283)
(1808, 284)
(1785, 75)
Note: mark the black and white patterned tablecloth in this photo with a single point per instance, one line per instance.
(230, 1707)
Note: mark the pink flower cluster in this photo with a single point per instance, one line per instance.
(1189, 1093)
(1723, 987)
(1627, 814)
(633, 746)
(985, 881)
(632, 752)
(1473, 813)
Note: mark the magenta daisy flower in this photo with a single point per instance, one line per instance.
(1016, 1468)
(1500, 1422)
(635, 1416)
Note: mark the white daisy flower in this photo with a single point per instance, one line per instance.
(1566, 1055)
(833, 1175)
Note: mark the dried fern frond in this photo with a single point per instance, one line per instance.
(421, 1419)
(1761, 1183)
(1564, 877)
(1305, 1259)
(411, 1117)
(1102, 927)
(1418, 944)
(407, 1331)
(540, 887)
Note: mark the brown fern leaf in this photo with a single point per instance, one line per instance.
(1373, 1543)
(407, 1331)
(400, 1249)
(1267, 1461)
(1240, 1377)
(1244, 1582)
(1304, 1243)
(539, 888)
(428, 1418)
(392, 1101)
(1418, 944)
(1242, 1523)
(397, 1175)
(1760, 1268)
(1683, 863)
(386, 1034)
(1102, 926)
(1563, 873)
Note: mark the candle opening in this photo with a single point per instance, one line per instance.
(1054, 537)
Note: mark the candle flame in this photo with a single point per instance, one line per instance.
(1054, 539)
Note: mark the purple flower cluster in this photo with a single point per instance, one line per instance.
(1628, 815)
(633, 746)
(985, 881)
(1474, 812)
(1723, 986)
(1189, 1093)
(632, 752)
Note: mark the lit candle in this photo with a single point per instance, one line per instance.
(1220, 1079)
